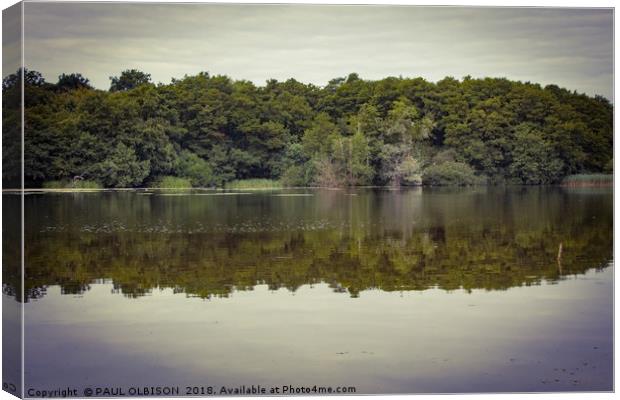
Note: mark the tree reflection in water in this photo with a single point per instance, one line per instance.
(209, 246)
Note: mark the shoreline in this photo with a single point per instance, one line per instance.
(391, 188)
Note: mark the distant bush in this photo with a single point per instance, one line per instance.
(195, 169)
(293, 176)
(253, 184)
(298, 175)
(71, 184)
(121, 168)
(589, 180)
(171, 182)
(451, 173)
(410, 170)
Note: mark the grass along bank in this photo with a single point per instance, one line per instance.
(72, 184)
(254, 184)
(434, 176)
(171, 182)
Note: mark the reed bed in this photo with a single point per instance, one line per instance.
(587, 180)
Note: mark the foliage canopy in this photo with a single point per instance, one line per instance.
(212, 130)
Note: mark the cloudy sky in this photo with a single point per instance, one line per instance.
(569, 47)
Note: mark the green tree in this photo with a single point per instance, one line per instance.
(129, 79)
(533, 160)
(350, 157)
(72, 81)
(405, 133)
(121, 168)
(318, 139)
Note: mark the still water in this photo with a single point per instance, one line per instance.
(389, 291)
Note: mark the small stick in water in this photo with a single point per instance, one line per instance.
(560, 258)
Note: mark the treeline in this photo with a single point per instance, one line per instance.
(210, 130)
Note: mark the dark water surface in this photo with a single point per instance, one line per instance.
(390, 291)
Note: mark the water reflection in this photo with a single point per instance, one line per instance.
(205, 246)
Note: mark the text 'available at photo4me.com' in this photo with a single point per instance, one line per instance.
(159, 391)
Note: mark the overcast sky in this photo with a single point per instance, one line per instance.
(569, 47)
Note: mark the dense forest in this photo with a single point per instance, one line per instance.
(206, 131)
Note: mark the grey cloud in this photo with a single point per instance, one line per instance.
(569, 47)
(11, 39)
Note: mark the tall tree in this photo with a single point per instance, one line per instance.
(129, 79)
(72, 81)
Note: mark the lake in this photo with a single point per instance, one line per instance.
(389, 291)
